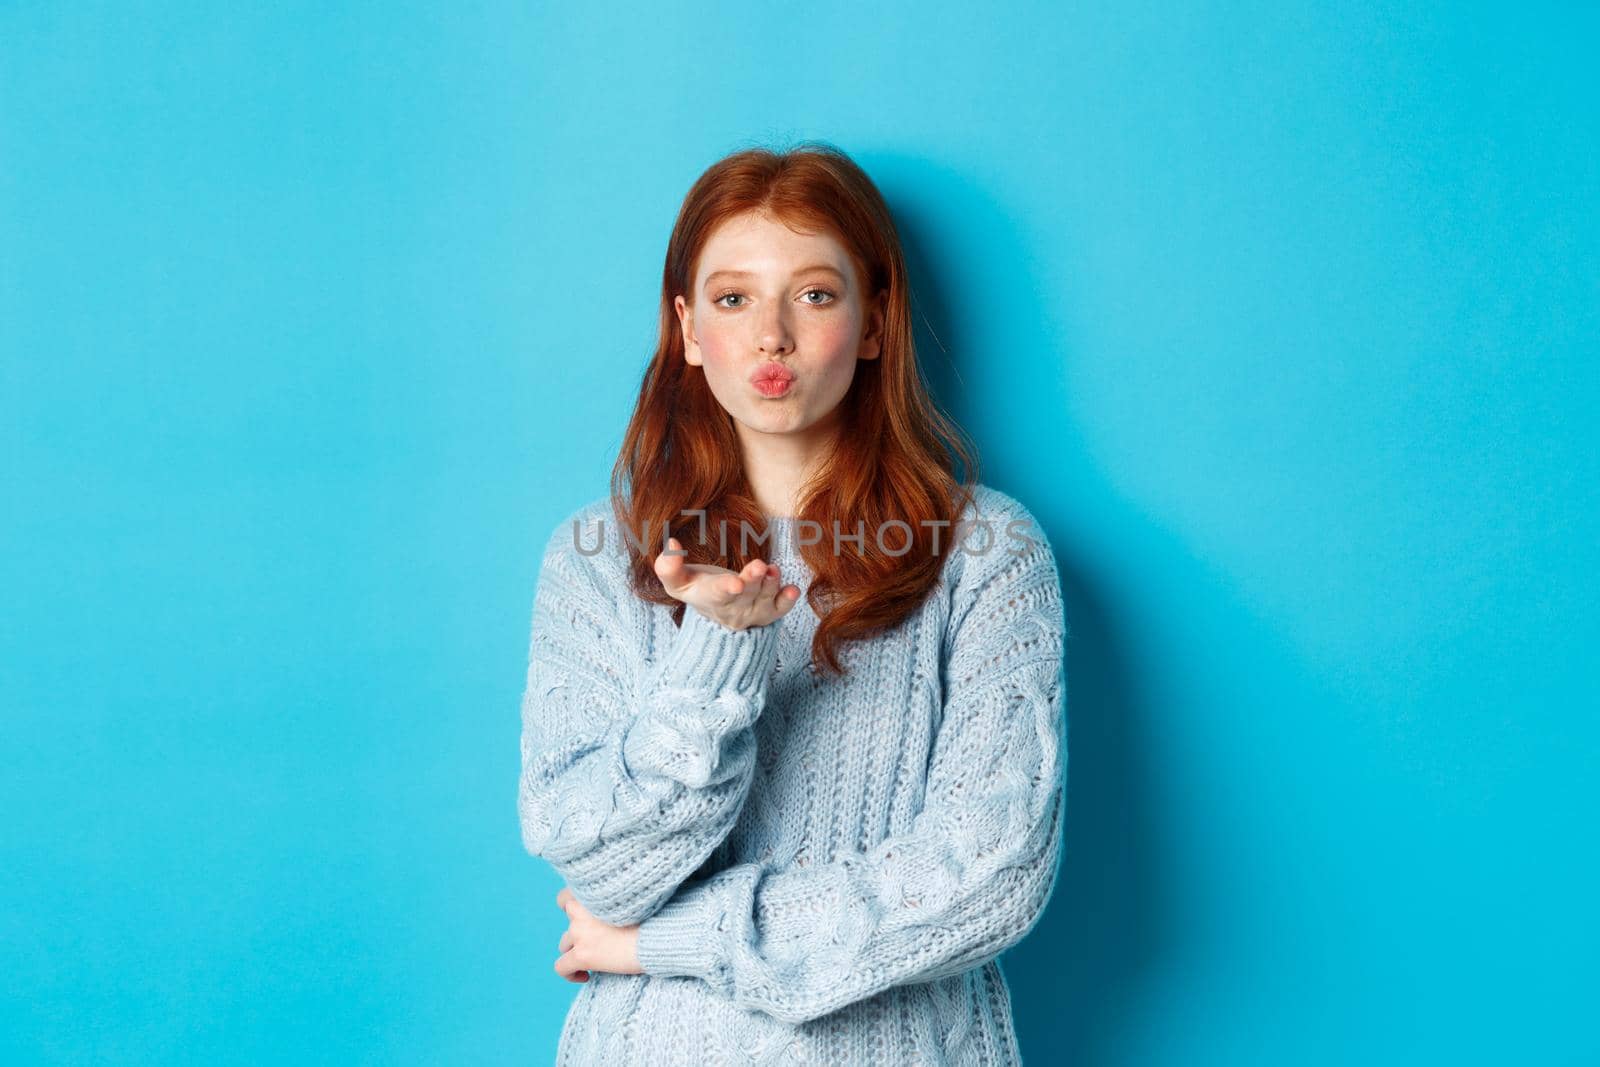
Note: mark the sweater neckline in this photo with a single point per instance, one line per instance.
(782, 547)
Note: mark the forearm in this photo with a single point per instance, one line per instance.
(626, 794)
(799, 944)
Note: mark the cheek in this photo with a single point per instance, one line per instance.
(717, 348)
(836, 338)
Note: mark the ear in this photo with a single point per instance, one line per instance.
(872, 336)
(691, 348)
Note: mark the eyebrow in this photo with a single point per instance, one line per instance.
(812, 269)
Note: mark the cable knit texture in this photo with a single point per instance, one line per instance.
(825, 870)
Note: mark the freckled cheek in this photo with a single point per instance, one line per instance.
(716, 349)
(834, 339)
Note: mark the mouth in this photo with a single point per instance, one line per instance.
(772, 379)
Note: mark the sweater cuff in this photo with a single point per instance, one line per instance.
(708, 655)
(680, 938)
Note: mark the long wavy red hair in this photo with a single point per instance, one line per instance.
(895, 455)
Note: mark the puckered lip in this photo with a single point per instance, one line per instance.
(772, 372)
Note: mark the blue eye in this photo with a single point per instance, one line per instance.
(724, 296)
(825, 292)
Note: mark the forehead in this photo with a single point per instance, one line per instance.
(761, 244)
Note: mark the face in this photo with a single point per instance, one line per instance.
(764, 294)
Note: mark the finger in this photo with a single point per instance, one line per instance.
(756, 588)
(670, 568)
(755, 596)
(567, 967)
(562, 896)
(566, 941)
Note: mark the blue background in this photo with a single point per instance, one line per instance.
(314, 320)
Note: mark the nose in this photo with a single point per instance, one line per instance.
(773, 335)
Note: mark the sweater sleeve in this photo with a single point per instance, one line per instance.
(631, 777)
(966, 881)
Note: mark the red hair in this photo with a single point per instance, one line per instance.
(894, 453)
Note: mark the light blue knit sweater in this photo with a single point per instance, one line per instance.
(825, 868)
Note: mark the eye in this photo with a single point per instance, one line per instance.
(829, 293)
(720, 297)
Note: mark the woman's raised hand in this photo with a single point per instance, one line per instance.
(754, 596)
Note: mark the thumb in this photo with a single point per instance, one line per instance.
(669, 568)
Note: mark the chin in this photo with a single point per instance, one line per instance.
(774, 422)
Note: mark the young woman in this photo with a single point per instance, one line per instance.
(794, 725)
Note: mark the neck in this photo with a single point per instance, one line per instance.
(778, 465)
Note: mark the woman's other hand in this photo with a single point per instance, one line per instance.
(591, 945)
